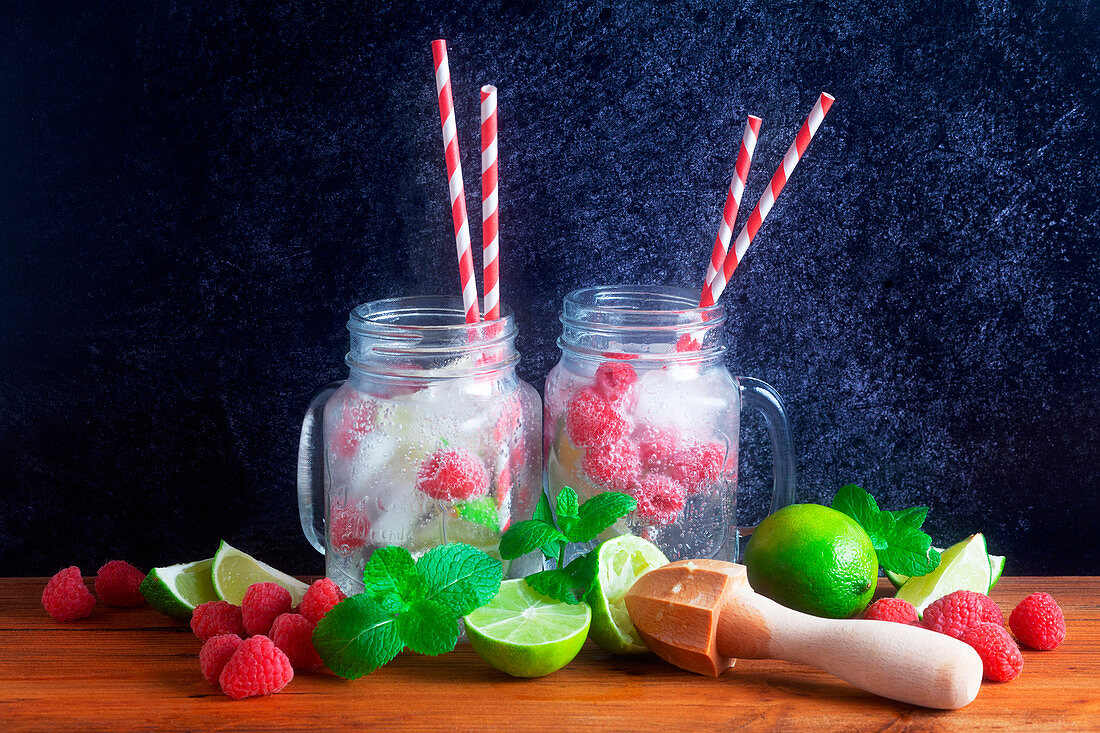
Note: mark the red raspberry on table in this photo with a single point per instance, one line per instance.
(656, 446)
(453, 475)
(350, 528)
(613, 467)
(956, 612)
(356, 421)
(117, 583)
(65, 596)
(217, 617)
(697, 466)
(319, 600)
(215, 652)
(1038, 622)
(660, 499)
(1001, 658)
(614, 380)
(262, 603)
(293, 633)
(891, 609)
(591, 420)
(258, 667)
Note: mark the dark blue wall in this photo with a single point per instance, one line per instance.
(193, 195)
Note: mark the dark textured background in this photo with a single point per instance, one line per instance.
(193, 195)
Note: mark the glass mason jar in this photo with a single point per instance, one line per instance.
(431, 439)
(641, 402)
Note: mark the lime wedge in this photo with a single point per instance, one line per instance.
(963, 566)
(176, 590)
(622, 560)
(996, 567)
(234, 571)
(525, 633)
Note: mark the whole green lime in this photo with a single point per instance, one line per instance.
(813, 559)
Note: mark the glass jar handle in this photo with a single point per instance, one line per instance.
(763, 397)
(311, 468)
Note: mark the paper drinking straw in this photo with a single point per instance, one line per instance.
(489, 217)
(767, 200)
(454, 181)
(733, 199)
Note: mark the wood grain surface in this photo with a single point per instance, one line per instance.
(133, 669)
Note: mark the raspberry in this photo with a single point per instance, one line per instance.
(261, 604)
(1001, 658)
(660, 499)
(891, 609)
(217, 617)
(258, 667)
(65, 596)
(612, 467)
(356, 420)
(656, 446)
(215, 652)
(350, 528)
(614, 380)
(117, 583)
(453, 475)
(319, 600)
(687, 343)
(292, 633)
(1038, 622)
(697, 466)
(956, 612)
(591, 420)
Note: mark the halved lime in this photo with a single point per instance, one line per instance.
(963, 566)
(234, 571)
(176, 590)
(525, 633)
(996, 567)
(622, 560)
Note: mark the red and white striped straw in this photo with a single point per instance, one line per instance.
(733, 199)
(454, 181)
(490, 220)
(767, 200)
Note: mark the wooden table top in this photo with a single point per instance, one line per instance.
(123, 669)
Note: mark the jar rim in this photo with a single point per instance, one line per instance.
(661, 300)
(439, 315)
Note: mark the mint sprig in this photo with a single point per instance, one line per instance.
(896, 535)
(576, 523)
(405, 604)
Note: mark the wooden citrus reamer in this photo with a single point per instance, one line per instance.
(701, 614)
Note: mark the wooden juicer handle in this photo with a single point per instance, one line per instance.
(701, 614)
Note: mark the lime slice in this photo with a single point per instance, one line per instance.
(996, 567)
(963, 566)
(621, 561)
(525, 633)
(234, 571)
(176, 590)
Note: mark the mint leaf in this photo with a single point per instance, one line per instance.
(542, 509)
(599, 513)
(568, 585)
(556, 584)
(900, 544)
(459, 577)
(527, 536)
(856, 503)
(357, 637)
(912, 517)
(567, 509)
(428, 627)
(390, 579)
(481, 511)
